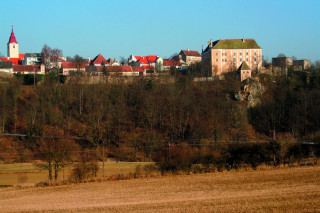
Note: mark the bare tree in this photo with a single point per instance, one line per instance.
(45, 56)
(123, 60)
(55, 56)
(55, 151)
(78, 61)
(50, 57)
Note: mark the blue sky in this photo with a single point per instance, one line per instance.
(145, 27)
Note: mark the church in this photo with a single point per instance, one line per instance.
(13, 54)
(14, 62)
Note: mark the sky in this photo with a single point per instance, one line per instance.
(145, 27)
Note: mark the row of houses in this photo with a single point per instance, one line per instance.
(220, 56)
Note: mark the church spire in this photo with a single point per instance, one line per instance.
(12, 38)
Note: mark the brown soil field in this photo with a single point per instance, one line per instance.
(274, 190)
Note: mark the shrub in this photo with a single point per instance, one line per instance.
(179, 157)
(84, 170)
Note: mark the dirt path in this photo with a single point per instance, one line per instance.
(286, 190)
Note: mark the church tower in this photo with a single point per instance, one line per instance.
(13, 46)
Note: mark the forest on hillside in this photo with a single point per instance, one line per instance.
(135, 121)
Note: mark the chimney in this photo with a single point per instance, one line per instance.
(243, 40)
(188, 49)
(211, 43)
(202, 48)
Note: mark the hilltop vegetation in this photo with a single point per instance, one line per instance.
(148, 119)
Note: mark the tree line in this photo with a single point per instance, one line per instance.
(131, 119)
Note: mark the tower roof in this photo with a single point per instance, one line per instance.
(12, 38)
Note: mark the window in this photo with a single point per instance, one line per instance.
(240, 59)
(247, 72)
(247, 59)
(255, 59)
(234, 60)
(234, 54)
(225, 54)
(216, 53)
(216, 60)
(225, 60)
(247, 53)
(255, 53)
(240, 53)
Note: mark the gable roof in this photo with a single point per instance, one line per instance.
(146, 59)
(244, 66)
(235, 44)
(98, 60)
(191, 53)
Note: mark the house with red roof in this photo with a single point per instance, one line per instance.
(70, 67)
(189, 57)
(29, 69)
(167, 64)
(98, 60)
(147, 61)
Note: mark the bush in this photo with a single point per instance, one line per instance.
(84, 170)
(179, 157)
(28, 79)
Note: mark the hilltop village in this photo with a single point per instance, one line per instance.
(242, 56)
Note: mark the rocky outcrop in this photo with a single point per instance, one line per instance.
(250, 92)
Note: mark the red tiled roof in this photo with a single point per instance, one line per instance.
(171, 63)
(26, 68)
(70, 65)
(21, 56)
(137, 69)
(12, 38)
(143, 60)
(146, 59)
(14, 61)
(148, 67)
(98, 60)
(137, 57)
(191, 53)
(152, 58)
